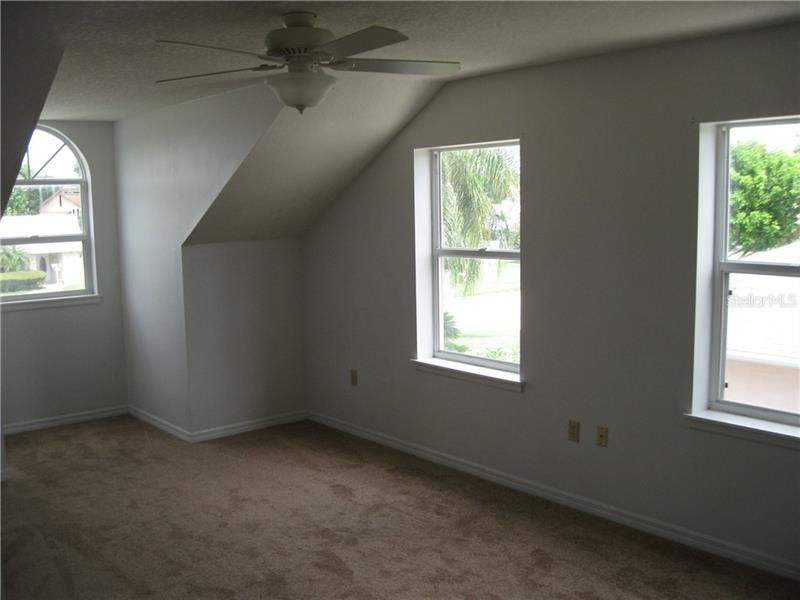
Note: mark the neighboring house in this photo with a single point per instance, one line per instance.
(763, 336)
(64, 201)
(60, 214)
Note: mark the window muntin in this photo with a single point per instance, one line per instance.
(50, 156)
(45, 233)
(476, 241)
(757, 290)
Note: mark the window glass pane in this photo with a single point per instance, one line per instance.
(479, 306)
(43, 210)
(49, 157)
(41, 268)
(764, 195)
(480, 198)
(762, 358)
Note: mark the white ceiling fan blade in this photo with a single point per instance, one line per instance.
(234, 50)
(403, 67)
(261, 68)
(361, 41)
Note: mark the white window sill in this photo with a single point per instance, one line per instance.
(748, 428)
(32, 304)
(482, 375)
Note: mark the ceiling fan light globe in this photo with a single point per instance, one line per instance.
(303, 89)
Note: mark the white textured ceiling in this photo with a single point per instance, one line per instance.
(111, 62)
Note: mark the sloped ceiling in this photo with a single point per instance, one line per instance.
(304, 161)
(110, 64)
(21, 105)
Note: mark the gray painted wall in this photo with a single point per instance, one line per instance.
(68, 359)
(609, 184)
(244, 305)
(172, 163)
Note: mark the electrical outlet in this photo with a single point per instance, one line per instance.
(602, 436)
(354, 377)
(574, 431)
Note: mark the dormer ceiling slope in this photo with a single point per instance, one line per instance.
(303, 162)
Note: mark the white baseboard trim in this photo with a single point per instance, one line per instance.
(637, 521)
(251, 425)
(155, 421)
(216, 432)
(87, 415)
(160, 423)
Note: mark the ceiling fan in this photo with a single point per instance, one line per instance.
(304, 50)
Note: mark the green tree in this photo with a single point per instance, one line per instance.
(24, 200)
(764, 198)
(13, 259)
(475, 182)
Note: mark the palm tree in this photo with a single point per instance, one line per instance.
(475, 182)
(13, 259)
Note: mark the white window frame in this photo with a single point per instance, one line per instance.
(86, 237)
(438, 252)
(722, 270)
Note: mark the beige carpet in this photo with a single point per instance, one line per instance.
(116, 509)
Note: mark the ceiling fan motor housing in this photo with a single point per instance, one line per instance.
(298, 38)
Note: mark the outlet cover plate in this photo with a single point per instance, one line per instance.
(602, 436)
(574, 431)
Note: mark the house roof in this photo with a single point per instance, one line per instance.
(67, 196)
(41, 225)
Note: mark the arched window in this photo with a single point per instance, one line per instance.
(46, 248)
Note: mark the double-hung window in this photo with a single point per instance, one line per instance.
(755, 368)
(46, 230)
(475, 255)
